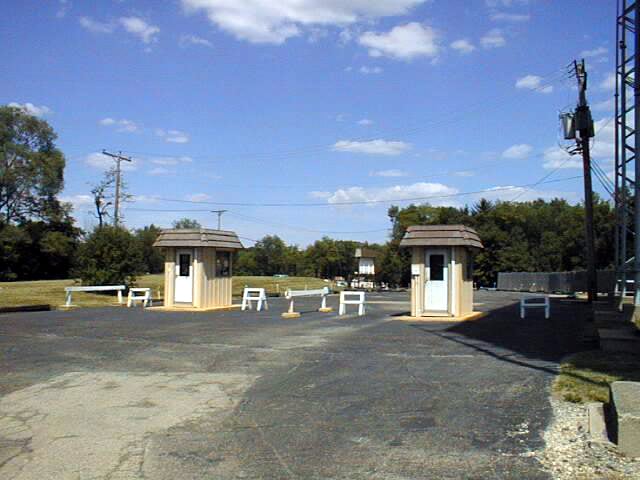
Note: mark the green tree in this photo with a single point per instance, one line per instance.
(152, 259)
(186, 223)
(110, 255)
(31, 167)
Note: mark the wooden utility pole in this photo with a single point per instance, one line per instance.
(116, 204)
(584, 126)
(219, 212)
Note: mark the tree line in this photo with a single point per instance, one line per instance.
(40, 240)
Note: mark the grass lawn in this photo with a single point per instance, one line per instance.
(52, 291)
(585, 376)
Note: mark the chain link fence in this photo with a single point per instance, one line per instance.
(554, 282)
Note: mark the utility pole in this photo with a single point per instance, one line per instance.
(116, 204)
(219, 212)
(584, 126)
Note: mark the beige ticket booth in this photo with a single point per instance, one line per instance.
(441, 269)
(198, 267)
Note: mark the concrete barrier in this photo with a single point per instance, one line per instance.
(625, 411)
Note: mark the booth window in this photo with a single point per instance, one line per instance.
(469, 269)
(436, 267)
(184, 262)
(223, 264)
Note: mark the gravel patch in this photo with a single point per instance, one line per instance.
(570, 454)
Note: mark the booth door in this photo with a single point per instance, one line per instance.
(184, 276)
(436, 295)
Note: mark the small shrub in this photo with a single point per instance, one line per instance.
(109, 256)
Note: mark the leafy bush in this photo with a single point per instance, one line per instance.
(109, 256)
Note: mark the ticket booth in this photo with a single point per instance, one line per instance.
(198, 267)
(441, 269)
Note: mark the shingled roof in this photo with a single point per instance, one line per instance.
(198, 237)
(363, 252)
(441, 236)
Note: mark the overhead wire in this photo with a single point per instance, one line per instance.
(366, 202)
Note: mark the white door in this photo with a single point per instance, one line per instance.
(436, 292)
(184, 277)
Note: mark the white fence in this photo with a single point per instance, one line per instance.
(292, 294)
(351, 298)
(258, 295)
(101, 288)
(139, 295)
(535, 302)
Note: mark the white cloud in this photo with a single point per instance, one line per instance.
(365, 122)
(609, 82)
(63, 8)
(463, 46)
(319, 194)
(198, 197)
(31, 109)
(171, 160)
(372, 147)
(533, 82)
(596, 53)
(493, 39)
(604, 106)
(95, 26)
(522, 194)
(505, 3)
(510, 17)
(518, 152)
(397, 192)
(403, 42)
(266, 21)
(194, 40)
(141, 29)
(123, 125)
(389, 173)
(602, 149)
(104, 162)
(158, 171)
(556, 157)
(604, 142)
(173, 136)
(78, 201)
(369, 70)
(133, 25)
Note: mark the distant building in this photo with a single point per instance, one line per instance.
(365, 275)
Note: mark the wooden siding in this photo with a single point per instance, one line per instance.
(208, 291)
(169, 276)
(460, 295)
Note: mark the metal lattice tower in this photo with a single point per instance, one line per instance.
(627, 138)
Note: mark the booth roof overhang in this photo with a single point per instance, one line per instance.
(198, 237)
(441, 236)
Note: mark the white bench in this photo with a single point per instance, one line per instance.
(101, 288)
(535, 302)
(292, 294)
(134, 297)
(344, 301)
(258, 295)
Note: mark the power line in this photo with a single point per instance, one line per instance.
(368, 202)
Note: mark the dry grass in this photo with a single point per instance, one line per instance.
(51, 292)
(585, 376)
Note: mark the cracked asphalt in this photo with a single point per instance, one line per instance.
(118, 393)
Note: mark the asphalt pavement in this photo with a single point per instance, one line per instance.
(126, 393)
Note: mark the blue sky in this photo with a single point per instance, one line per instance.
(310, 101)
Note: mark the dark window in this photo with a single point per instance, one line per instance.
(184, 262)
(223, 264)
(436, 267)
